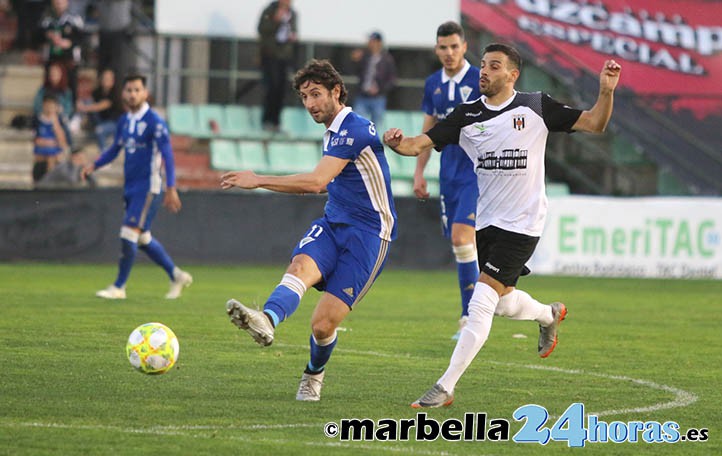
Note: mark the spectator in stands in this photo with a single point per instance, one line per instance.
(278, 36)
(63, 33)
(376, 70)
(79, 7)
(50, 140)
(114, 24)
(104, 109)
(56, 84)
(29, 13)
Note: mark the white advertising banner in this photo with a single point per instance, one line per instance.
(631, 237)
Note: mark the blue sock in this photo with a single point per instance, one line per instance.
(157, 253)
(468, 275)
(320, 355)
(281, 304)
(128, 250)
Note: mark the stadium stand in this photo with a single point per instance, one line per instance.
(253, 156)
(683, 156)
(225, 155)
(288, 158)
(182, 120)
(210, 117)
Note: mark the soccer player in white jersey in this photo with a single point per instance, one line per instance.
(456, 82)
(143, 135)
(345, 250)
(504, 133)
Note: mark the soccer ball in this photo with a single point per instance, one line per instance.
(152, 348)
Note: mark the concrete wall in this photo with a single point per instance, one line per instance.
(212, 227)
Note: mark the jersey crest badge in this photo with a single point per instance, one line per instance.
(518, 121)
(141, 127)
(465, 91)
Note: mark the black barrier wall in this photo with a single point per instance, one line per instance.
(212, 227)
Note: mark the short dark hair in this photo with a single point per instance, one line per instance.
(320, 72)
(50, 97)
(509, 51)
(135, 77)
(449, 28)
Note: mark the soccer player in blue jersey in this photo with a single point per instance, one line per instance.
(345, 250)
(143, 135)
(456, 82)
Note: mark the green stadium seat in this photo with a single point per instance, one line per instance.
(253, 156)
(236, 121)
(411, 122)
(243, 122)
(297, 123)
(182, 119)
(404, 167)
(402, 187)
(432, 186)
(433, 166)
(225, 155)
(288, 157)
(206, 115)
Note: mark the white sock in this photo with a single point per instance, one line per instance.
(518, 305)
(472, 338)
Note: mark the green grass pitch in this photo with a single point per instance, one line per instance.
(630, 350)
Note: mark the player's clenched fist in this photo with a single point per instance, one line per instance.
(393, 137)
(609, 76)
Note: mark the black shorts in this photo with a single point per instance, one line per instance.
(502, 254)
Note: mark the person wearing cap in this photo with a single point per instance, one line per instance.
(376, 70)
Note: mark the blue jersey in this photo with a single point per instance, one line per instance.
(361, 194)
(441, 95)
(144, 137)
(44, 130)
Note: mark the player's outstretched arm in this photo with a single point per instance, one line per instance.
(420, 184)
(595, 120)
(402, 145)
(314, 182)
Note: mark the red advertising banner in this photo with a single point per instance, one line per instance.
(668, 48)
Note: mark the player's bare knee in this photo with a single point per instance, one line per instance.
(299, 266)
(323, 328)
(460, 237)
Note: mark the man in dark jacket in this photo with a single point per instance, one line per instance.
(376, 71)
(278, 35)
(63, 33)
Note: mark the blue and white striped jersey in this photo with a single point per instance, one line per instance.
(361, 194)
(441, 95)
(145, 139)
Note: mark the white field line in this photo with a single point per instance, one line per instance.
(192, 432)
(682, 399)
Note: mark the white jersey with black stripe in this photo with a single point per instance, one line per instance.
(507, 144)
